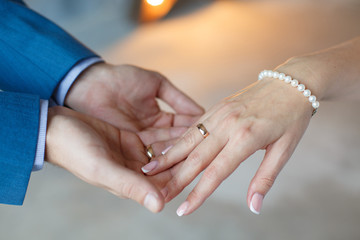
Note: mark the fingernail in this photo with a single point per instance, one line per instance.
(166, 150)
(149, 167)
(182, 209)
(151, 202)
(164, 192)
(256, 203)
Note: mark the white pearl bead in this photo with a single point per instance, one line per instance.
(307, 93)
(287, 79)
(301, 87)
(315, 104)
(270, 74)
(281, 76)
(276, 75)
(312, 99)
(294, 83)
(266, 73)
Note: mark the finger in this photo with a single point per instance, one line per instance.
(160, 148)
(184, 120)
(166, 119)
(195, 163)
(160, 134)
(222, 166)
(177, 153)
(131, 185)
(275, 159)
(162, 178)
(180, 102)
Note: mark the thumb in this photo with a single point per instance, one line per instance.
(179, 101)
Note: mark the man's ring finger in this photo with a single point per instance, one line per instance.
(150, 152)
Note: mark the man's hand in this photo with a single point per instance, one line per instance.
(125, 96)
(103, 156)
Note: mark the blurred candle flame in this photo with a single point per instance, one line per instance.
(152, 10)
(155, 2)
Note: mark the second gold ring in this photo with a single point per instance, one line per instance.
(150, 152)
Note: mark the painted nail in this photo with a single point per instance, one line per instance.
(149, 167)
(182, 209)
(164, 192)
(151, 202)
(166, 150)
(256, 203)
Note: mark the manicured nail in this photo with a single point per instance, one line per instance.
(256, 203)
(149, 167)
(166, 150)
(182, 209)
(151, 202)
(164, 192)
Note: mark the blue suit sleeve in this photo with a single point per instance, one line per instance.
(35, 53)
(19, 125)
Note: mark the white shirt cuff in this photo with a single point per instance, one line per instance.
(40, 147)
(64, 86)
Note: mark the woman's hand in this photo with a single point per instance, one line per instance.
(268, 114)
(102, 155)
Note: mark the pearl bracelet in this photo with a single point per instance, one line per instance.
(293, 82)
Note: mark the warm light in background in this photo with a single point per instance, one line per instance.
(152, 10)
(155, 2)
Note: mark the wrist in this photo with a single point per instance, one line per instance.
(294, 98)
(52, 125)
(300, 87)
(77, 95)
(307, 71)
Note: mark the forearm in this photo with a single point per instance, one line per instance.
(331, 73)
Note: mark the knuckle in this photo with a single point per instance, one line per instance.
(190, 139)
(127, 190)
(227, 107)
(231, 118)
(212, 174)
(233, 113)
(157, 75)
(247, 129)
(195, 194)
(163, 159)
(267, 182)
(176, 185)
(194, 158)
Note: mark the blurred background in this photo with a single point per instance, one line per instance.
(210, 49)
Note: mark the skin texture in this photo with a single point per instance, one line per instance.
(269, 115)
(102, 155)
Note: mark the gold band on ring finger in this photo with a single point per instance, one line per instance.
(204, 132)
(150, 152)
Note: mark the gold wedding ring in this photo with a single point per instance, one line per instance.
(150, 152)
(202, 130)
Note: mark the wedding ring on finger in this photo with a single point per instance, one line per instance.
(149, 152)
(204, 132)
